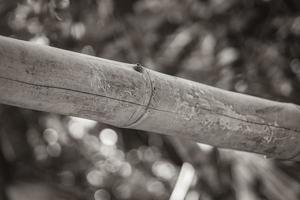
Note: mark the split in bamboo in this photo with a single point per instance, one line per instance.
(131, 96)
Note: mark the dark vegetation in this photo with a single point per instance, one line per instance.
(239, 45)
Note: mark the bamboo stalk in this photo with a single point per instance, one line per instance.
(131, 96)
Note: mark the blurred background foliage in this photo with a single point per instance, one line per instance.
(239, 45)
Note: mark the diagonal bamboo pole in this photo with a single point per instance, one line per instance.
(131, 96)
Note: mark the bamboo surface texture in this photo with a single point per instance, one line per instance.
(132, 96)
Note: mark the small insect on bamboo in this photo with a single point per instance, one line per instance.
(138, 67)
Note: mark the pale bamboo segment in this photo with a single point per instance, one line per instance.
(131, 96)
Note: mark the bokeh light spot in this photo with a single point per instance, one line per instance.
(101, 195)
(78, 127)
(108, 136)
(164, 170)
(126, 170)
(54, 150)
(50, 135)
(95, 178)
